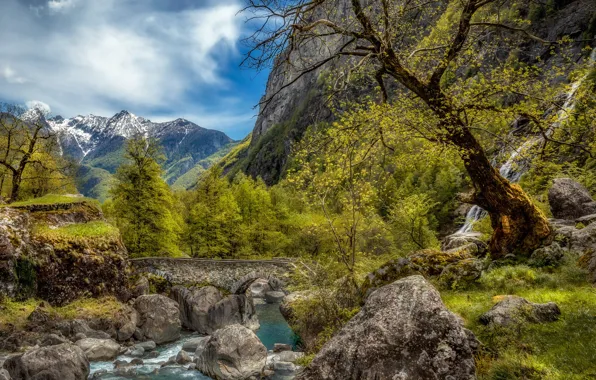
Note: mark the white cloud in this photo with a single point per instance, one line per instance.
(60, 5)
(11, 76)
(38, 105)
(103, 56)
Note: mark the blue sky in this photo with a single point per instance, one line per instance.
(155, 58)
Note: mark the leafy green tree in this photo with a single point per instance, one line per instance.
(214, 219)
(143, 204)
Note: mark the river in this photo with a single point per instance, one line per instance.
(274, 329)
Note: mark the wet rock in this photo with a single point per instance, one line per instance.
(274, 297)
(183, 358)
(570, 200)
(192, 344)
(194, 306)
(136, 361)
(512, 310)
(402, 332)
(549, 256)
(232, 353)
(152, 355)
(465, 239)
(258, 288)
(147, 345)
(99, 349)
(159, 318)
(98, 374)
(61, 362)
(136, 352)
(279, 347)
(205, 310)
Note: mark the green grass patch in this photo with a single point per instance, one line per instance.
(81, 230)
(559, 350)
(14, 314)
(51, 199)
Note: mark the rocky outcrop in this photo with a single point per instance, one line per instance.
(570, 200)
(274, 297)
(232, 353)
(457, 266)
(549, 256)
(206, 310)
(513, 310)
(99, 349)
(159, 318)
(60, 362)
(402, 332)
(40, 258)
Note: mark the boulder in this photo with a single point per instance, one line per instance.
(258, 288)
(183, 358)
(232, 309)
(549, 256)
(205, 310)
(232, 353)
(194, 306)
(4, 375)
(513, 310)
(79, 326)
(53, 340)
(465, 239)
(279, 347)
(585, 220)
(159, 318)
(403, 331)
(147, 345)
(570, 200)
(274, 297)
(99, 349)
(61, 362)
(192, 344)
(462, 273)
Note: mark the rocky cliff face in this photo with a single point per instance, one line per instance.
(283, 120)
(60, 252)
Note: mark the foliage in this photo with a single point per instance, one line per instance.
(53, 199)
(142, 205)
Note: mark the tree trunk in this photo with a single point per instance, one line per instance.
(16, 186)
(519, 226)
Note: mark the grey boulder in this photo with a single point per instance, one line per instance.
(99, 349)
(259, 287)
(403, 332)
(4, 375)
(159, 318)
(274, 297)
(232, 353)
(205, 310)
(549, 256)
(61, 362)
(570, 200)
(513, 310)
(192, 344)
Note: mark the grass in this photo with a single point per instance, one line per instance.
(51, 199)
(15, 314)
(560, 350)
(92, 229)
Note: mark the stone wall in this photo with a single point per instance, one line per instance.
(232, 275)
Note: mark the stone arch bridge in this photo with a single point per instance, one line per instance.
(233, 275)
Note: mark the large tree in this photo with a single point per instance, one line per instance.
(143, 204)
(434, 55)
(29, 152)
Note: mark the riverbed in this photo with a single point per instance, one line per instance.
(274, 329)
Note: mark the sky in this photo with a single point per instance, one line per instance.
(160, 59)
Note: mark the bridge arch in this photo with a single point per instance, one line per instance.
(235, 276)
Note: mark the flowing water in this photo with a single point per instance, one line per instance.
(274, 329)
(520, 159)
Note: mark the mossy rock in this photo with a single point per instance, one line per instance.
(428, 262)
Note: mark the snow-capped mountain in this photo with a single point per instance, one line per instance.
(98, 142)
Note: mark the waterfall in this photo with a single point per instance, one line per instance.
(519, 162)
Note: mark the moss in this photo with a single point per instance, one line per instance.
(96, 234)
